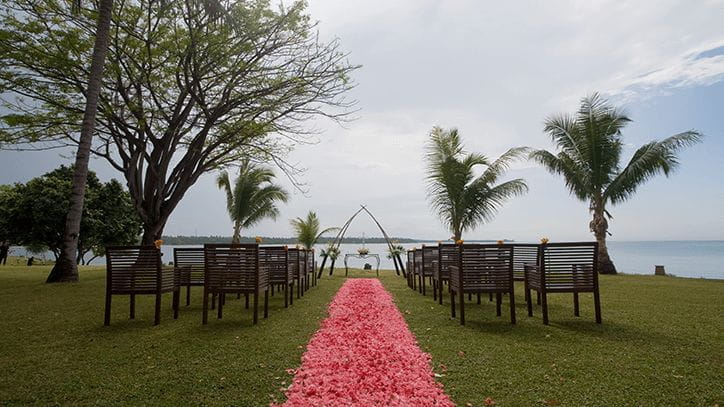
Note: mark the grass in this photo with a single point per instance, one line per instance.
(661, 343)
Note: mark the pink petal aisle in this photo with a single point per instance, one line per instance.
(364, 355)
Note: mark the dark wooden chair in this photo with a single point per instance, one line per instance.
(309, 275)
(483, 269)
(428, 263)
(189, 265)
(410, 275)
(296, 264)
(138, 270)
(564, 268)
(447, 256)
(275, 261)
(234, 268)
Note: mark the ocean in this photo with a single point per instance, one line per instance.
(687, 258)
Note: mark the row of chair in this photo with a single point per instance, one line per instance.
(493, 269)
(221, 269)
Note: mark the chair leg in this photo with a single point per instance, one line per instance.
(498, 303)
(291, 293)
(434, 290)
(256, 307)
(452, 303)
(576, 310)
(272, 290)
(478, 298)
(107, 315)
(266, 303)
(176, 298)
(286, 297)
(132, 311)
(597, 305)
(544, 304)
(424, 288)
(462, 307)
(512, 307)
(157, 316)
(238, 296)
(537, 293)
(490, 297)
(213, 301)
(439, 294)
(188, 295)
(470, 296)
(299, 288)
(205, 317)
(222, 297)
(246, 300)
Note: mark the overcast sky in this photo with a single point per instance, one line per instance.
(495, 70)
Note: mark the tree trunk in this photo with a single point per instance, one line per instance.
(599, 227)
(151, 233)
(321, 268)
(236, 239)
(331, 266)
(66, 268)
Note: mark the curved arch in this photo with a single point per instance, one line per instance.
(343, 230)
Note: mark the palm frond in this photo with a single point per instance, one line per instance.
(498, 167)
(576, 178)
(648, 161)
(223, 182)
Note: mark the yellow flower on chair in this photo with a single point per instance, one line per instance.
(158, 243)
(544, 240)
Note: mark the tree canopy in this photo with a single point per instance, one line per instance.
(33, 214)
(461, 199)
(182, 95)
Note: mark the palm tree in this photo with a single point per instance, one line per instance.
(307, 230)
(590, 144)
(66, 268)
(252, 198)
(462, 200)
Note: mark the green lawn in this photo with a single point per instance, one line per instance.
(661, 343)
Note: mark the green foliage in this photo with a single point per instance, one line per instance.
(253, 196)
(332, 251)
(462, 200)
(590, 146)
(395, 250)
(182, 95)
(308, 230)
(33, 214)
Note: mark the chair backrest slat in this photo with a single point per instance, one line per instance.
(234, 267)
(189, 264)
(133, 268)
(448, 256)
(570, 265)
(274, 259)
(485, 267)
(524, 254)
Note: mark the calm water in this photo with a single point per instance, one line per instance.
(703, 259)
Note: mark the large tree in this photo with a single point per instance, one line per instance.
(182, 95)
(34, 213)
(462, 199)
(590, 147)
(252, 197)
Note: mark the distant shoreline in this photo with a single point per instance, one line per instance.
(191, 240)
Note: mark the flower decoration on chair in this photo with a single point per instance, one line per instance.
(158, 243)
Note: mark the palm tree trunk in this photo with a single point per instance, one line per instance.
(599, 227)
(66, 269)
(236, 239)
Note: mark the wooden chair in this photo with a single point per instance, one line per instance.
(447, 256)
(138, 270)
(296, 263)
(564, 268)
(275, 261)
(309, 275)
(482, 269)
(189, 265)
(234, 268)
(428, 263)
(410, 275)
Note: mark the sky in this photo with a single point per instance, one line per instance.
(495, 71)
